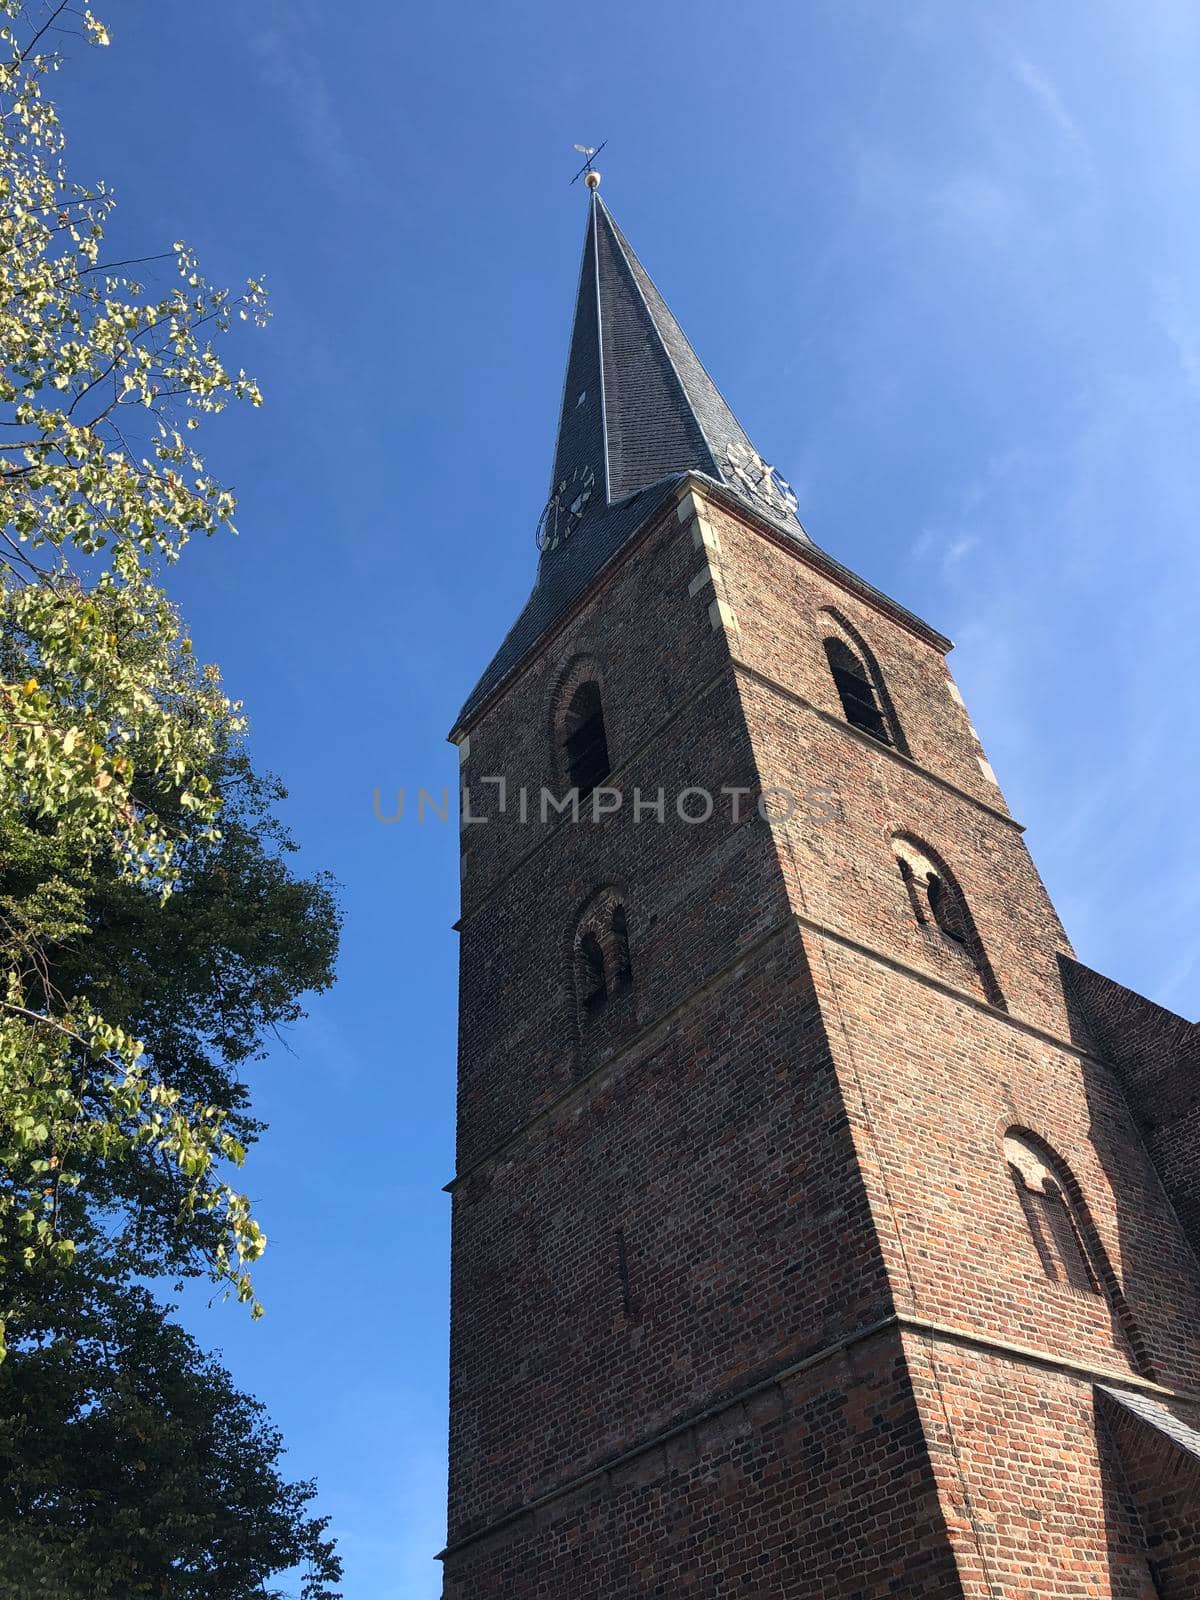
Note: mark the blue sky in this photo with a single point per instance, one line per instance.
(941, 258)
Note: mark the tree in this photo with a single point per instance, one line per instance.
(152, 932)
(200, 980)
(112, 729)
(131, 1466)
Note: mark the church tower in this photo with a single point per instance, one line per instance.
(822, 1230)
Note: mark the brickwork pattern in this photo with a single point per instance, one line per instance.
(726, 1509)
(1034, 1492)
(1157, 1056)
(719, 1149)
(939, 1083)
(1163, 1483)
(787, 1132)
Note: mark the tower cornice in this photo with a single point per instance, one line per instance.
(670, 495)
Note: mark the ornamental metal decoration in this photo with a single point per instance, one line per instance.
(747, 470)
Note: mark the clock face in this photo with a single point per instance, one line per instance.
(565, 508)
(751, 473)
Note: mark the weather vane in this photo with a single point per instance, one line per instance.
(587, 172)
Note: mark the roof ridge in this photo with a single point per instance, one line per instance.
(596, 207)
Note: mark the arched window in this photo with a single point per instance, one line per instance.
(603, 969)
(947, 908)
(593, 983)
(1064, 1235)
(860, 702)
(584, 742)
(940, 907)
(1056, 1232)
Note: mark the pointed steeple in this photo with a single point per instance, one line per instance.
(639, 413)
(638, 407)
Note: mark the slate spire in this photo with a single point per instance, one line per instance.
(639, 413)
(638, 407)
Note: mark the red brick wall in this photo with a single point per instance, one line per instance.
(719, 1148)
(783, 605)
(730, 1508)
(790, 1130)
(695, 897)
(655, 648)
(845, 875)
(1157, 1057)
(1162, 1482)
(936, 1082)
(1032, 1491)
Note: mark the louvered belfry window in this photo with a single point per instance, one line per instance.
(586, 743)
(856, 691)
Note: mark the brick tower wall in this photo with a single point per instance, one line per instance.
(816, 1487)
(934, 1076)
(660, 1212)
(933, 1073)
(1156, 1055)
(741, 1257)
(1033, 1488)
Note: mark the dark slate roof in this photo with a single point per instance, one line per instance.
(637, 444)
(639, 412)
(1155, 1415)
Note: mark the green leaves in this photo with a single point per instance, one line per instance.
(102, 377)
(130, 1465)
(151, 935)
(117, 699)
(110, 730)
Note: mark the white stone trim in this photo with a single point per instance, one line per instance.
(690, 508)
(722, 615)
(705, 536)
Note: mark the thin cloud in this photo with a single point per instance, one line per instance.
(947, 550)
(982, 204)
(288, 66)
(1179, 326)
(1047, 97)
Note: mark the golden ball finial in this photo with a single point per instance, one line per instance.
(592, 180)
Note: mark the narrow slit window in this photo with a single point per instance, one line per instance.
(593, 982)
(629, 1306)
(623, 967)
(585, 743)
(860, 704)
